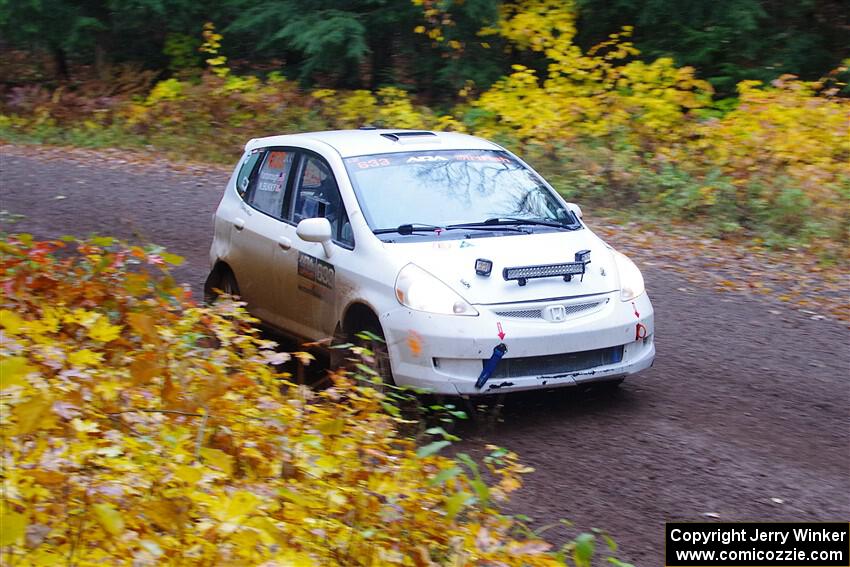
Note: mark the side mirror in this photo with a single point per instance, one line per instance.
(316, 230)
(575, 209)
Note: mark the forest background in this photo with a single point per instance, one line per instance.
(732, 113)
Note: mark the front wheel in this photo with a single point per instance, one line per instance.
(372, 339)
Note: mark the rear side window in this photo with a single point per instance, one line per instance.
(243, 179)
(270, 185)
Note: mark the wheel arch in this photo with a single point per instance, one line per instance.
(360, 316)
(214, 278)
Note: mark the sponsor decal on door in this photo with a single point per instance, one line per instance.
(315, 276)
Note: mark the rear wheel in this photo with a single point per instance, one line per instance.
(220, 282)
(228, 284)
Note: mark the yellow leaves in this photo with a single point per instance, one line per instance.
(269, 532)
(49, 322)
(708, 194)
(84, 426)
(144, 325)
(304, 357)
(85, 357)
(144, 368)
(188, 474)
(81, 317)
(103, 331)
(32, 415)
(48, 478)
(185, 448)
(332, 426)
(396, 108)
(10, 321)
(109, 518)
(218, 459)
(169, 515)
(13, 371)
(326, 464)
(12, 527)
(237, 506)
(108, 389)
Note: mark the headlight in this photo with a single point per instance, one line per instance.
(419, 290)
(631, 280)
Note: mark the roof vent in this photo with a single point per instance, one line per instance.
(368, 127)
(408, 135)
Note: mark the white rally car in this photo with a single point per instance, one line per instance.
(476, 272)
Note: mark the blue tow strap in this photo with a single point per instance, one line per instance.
(491, 364)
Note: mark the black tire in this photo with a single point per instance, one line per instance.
(229, 285)
(222, 281)
(378, 346)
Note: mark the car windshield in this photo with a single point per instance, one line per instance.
(440, 189)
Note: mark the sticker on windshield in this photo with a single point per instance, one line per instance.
(367, 163)
(481, 157)
(423, 159)
(315, 276)
(430, 158)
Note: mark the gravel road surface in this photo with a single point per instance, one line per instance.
(745, 415)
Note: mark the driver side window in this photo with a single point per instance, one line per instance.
(317, 195)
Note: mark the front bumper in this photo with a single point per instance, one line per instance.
(445, 353)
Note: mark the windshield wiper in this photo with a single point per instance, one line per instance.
(515, 221)
(405, 229)
(409, 228)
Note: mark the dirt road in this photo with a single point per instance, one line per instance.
(745, 415)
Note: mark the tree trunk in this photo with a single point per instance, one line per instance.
(100, 61)
(60, 63)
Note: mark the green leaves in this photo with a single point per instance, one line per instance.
(432, 448)
(455, 503)
(444, 475)
(584, 545)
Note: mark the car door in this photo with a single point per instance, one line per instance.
(312, 298)
(259, 232)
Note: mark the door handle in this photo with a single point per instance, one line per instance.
(239, 223)
(284, 242)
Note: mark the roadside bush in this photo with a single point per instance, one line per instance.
(139, 427)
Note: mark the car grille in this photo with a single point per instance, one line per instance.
(557, 363)
(571, 310)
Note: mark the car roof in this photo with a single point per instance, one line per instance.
(350, 143)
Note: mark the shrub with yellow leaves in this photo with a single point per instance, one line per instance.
(141, 428)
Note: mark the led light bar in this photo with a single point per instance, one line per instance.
(566, 270)
(583, 256)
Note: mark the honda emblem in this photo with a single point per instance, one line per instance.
(556, 313)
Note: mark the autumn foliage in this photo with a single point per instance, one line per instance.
(607, 127)
(141, 428)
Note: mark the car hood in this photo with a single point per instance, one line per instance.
(453, 262)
